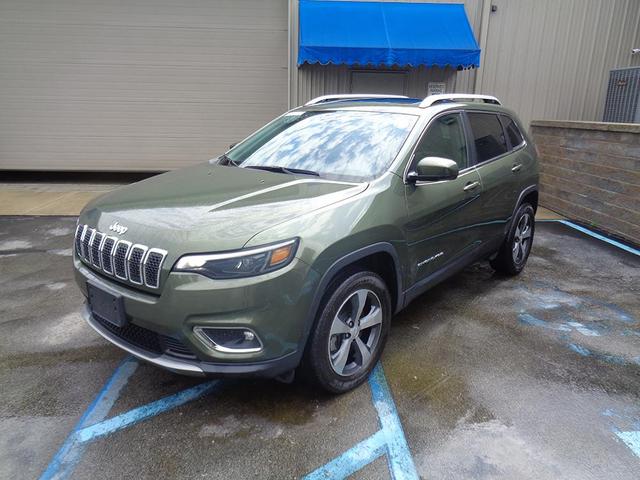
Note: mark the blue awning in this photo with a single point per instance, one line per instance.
(385, 33)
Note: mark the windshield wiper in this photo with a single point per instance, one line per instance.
(279, 169)
(226, 160)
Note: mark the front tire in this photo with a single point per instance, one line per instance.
(350, 333)
(514, 252)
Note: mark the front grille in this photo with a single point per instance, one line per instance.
(173, 346)
(146, 339)
(133, 334)
(107, 250)
(120, 259)
(137, 263)
(86, 242)
(78, 238)
(95, 249)
(152, 268)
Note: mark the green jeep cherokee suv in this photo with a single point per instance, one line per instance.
(293, 250)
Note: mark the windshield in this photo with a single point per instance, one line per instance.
(343, 145)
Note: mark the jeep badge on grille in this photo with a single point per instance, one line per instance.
(119, 229)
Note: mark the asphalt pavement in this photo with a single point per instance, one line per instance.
(533, 377)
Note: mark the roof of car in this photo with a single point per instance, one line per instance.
(368, 105)
(397, 104)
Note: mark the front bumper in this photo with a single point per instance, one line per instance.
(274, 305)
(270, 368)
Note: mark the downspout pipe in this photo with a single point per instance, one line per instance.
(484, 33)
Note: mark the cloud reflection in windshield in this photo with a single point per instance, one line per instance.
(342, 143)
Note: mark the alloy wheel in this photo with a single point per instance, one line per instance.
(355, 332)
(522, 239)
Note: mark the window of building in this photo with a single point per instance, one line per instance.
(444, 138)
(384, 82)
(488, 135)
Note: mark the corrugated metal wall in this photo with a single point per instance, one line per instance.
(550, 59)
(316, 80)
(546, 59)
(136, 84)
(156, 84)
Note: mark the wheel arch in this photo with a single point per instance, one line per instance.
(381, 258)
(530, 195)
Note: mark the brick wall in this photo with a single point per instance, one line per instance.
(590, 171)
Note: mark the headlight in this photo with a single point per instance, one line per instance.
(242, 263)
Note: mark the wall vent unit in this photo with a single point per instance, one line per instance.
(622, 104)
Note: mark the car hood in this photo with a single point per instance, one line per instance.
(210, 207)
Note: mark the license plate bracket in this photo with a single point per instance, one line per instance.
(107, 306)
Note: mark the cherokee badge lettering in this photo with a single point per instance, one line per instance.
(430, 259)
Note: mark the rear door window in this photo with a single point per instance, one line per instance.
(488, 135)
(513, 132)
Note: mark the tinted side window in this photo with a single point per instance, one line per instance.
(488, 135)
(444, 138)
(513, 132)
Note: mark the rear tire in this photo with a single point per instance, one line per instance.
(514, 252)
(350, 333)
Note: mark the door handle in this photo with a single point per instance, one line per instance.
(471, 186)
(516, 167)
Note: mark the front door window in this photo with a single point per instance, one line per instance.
(444, 138)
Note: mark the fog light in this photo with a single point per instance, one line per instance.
(229, 340)
(249, 336)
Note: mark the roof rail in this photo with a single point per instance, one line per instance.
(348, 96)
(452, 97)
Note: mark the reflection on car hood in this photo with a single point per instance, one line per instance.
(207, 208)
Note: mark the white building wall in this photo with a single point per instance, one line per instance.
(550, 59)
(137, 84)
(157, 84)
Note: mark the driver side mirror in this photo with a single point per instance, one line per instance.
(432, 169)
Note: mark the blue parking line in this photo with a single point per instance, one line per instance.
(593, 234)
(529, 319)
(399, 456)
(613, 359)
(92, 425)
(65, 460)
(111, 425)
(389, 439)
(631, 440)
(352, 460)
(621, 423)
